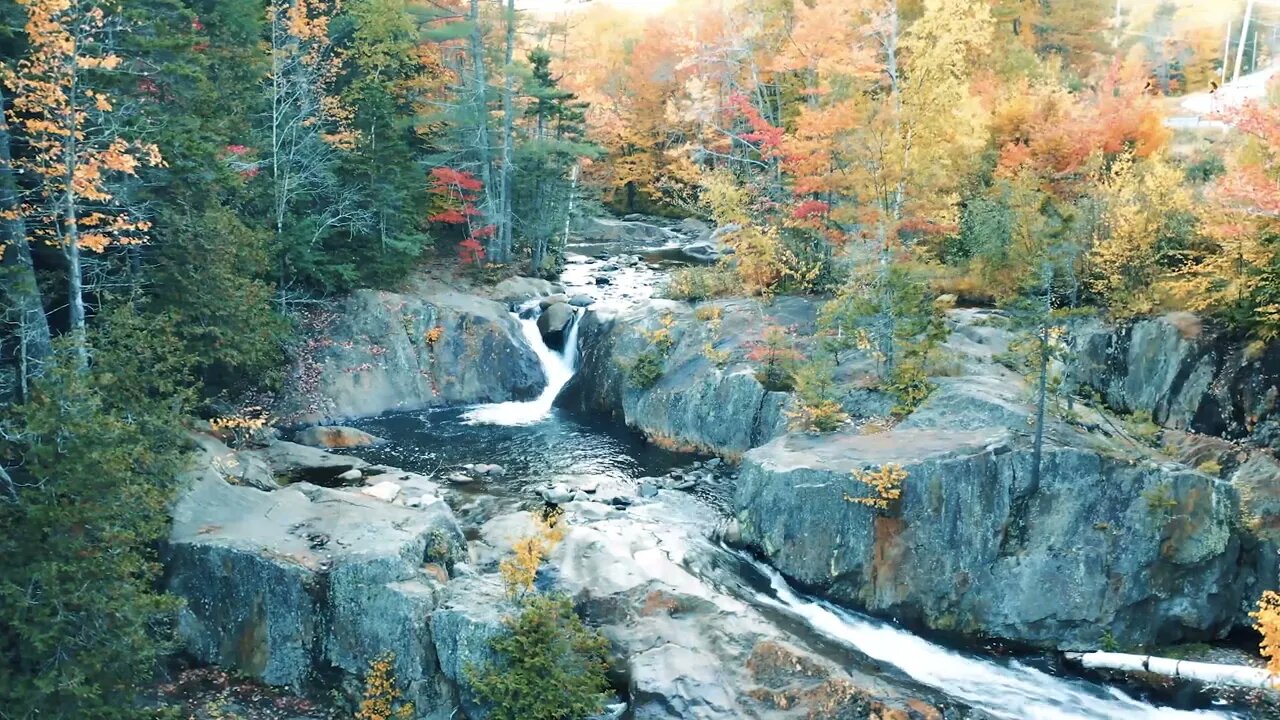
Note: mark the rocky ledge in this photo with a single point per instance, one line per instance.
(374, 352)
(707, 397)
(1127, 536)
(302, 586)
(1183, 374)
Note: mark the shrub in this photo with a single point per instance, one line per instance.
(719, 358)
(520, 570)
(777, 356)
(885, 482)
(646, 370)
(1210, 467)
(824, 416)
(712, 314)
(382, 693)
(910, 385)
(702, 283)
(550, 665)
(1266, 620)
(818, 409)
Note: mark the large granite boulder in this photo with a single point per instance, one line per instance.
(686, 649)
(637, 232)
(1183, 374)
(554, 324)
(305, 586)
(708, 401)
(379, 351)
(1105, 545)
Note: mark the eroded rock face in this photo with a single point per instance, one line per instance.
(696, 404)
(380, 351)
(304, 586)
(1184, 375)
(1103, 545)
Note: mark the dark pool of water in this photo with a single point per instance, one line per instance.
(564, 445)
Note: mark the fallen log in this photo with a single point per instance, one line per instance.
(1236, 675)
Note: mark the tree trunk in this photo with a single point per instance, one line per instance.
(479, 91)
(20, 284)
(1237, 675)
(71, 239)
(508, 136)
(1244, 34)
(1037, 452)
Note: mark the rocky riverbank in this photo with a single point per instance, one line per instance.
(1151, 534)
(304, 585)
(1153, 519)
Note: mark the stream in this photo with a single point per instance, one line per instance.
(538, 444)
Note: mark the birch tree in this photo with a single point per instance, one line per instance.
(77, 147)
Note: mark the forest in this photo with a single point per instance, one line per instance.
(186, 184)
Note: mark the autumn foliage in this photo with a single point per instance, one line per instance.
(67, 118)
(457, 192)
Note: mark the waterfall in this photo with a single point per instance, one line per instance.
(558, 368)
(1010, 691)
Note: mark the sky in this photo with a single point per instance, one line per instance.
(644, 7)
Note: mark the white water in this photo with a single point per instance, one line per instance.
(558, 369)
(1011, 691)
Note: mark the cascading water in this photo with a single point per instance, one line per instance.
(557, 367)
(1011, 691)
(534, 444)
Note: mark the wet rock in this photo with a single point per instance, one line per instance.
(603, 280)
(582, 301)
(380, 351)
(557, 494)
(647, 489)
(626, 231)
(554, 324)
(460, 478)
(336, 437)
(490, 470)
(711, 246)
(680, 483)
(693, 227)
(550, 300)
(350, 476)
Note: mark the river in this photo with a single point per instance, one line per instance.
(538, 444)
